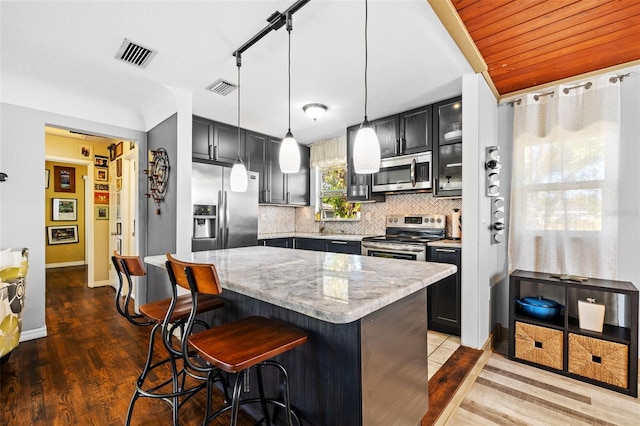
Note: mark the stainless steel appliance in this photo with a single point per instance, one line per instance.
(403, 173)
(406, 237)
(222, 218)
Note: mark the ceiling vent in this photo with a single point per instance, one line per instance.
(222, 87)
(135, 54)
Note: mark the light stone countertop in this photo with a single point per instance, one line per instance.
(446, 243)
(333, 287)
(343, 237)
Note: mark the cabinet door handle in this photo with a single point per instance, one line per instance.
(439, 250)
(339, 242)
(215, 152)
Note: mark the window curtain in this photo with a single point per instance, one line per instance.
(564, 197)
(329, 153)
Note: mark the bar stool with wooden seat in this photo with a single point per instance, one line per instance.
(237, 346)
(155, 313)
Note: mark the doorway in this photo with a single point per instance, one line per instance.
(105, 178)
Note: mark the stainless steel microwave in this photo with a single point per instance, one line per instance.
(403, 173)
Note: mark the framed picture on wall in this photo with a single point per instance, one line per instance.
(102, 175)
(64, 179)
(102, 212)
(119, 167)
(119, 149)
(65, 209)
(62, 234)
(85, 151)
(46, 178)
(101, 198)
(101, 161)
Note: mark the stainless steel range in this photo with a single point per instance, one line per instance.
(406, 237)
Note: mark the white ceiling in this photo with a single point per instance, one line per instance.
(67, 48)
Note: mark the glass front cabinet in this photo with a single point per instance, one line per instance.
(447, 128)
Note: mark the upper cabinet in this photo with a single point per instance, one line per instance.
(405, 133)
(447, 153)
(275, 187)
(415, 130)
(260, 153)
(215, 141)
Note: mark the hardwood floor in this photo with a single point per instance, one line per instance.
(84, 371)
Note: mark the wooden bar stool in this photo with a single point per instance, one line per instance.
(235, 347)
(156, 314)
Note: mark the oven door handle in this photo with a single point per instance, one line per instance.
(413, 172)
(393, 248)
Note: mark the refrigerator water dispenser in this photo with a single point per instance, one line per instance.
(204, 221)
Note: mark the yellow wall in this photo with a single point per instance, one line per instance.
(71, 252)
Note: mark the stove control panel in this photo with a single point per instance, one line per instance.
(416, 221)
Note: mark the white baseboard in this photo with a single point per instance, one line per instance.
(33, 334)
(65, 264)
(101, 283)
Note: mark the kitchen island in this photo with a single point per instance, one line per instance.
(365, 361)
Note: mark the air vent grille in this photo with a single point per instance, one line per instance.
(135, 54)
(222, 87)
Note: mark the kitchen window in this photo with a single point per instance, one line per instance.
(332, 192)
(564, 210)
(329, 161)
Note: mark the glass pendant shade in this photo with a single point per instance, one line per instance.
(289, 154)
(366, 150)
(238, 181)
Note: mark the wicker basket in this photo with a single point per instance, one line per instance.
(600, 360)
(539, 344)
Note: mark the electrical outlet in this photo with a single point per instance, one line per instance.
(368, 216)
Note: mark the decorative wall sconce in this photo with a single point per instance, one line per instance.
(3, 177)
(158, 175)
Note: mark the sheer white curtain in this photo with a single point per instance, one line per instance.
(564, 198)
(329, 152)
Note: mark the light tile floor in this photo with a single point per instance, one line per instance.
(440, 347)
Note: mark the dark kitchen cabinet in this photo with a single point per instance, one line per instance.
(388, 131)
(447, 152)
(358, 186)
(558, 344)
(443, 297)
(215, 141)
(202, 138)
(284, 242)
(415, 130)
(254, 158)
(278, 187)
(314, 244)
(298, 189)
(405, 133)
(343, 246)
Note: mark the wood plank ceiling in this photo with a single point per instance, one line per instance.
(527, 43)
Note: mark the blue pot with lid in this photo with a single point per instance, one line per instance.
(539, 307)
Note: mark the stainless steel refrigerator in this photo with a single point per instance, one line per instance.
(222, 218)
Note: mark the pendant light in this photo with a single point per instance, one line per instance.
(289, 151)
(238, 180)
(366, 148)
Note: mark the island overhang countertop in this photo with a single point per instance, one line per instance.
(333, 287)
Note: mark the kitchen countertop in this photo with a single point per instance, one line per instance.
(332, 287)
(446, 243)
(332, 236)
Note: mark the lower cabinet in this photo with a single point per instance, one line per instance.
(286, 242)
(314, 244)
(607, 358)
(443, 298)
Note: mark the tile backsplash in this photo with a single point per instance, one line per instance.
(372, 216)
